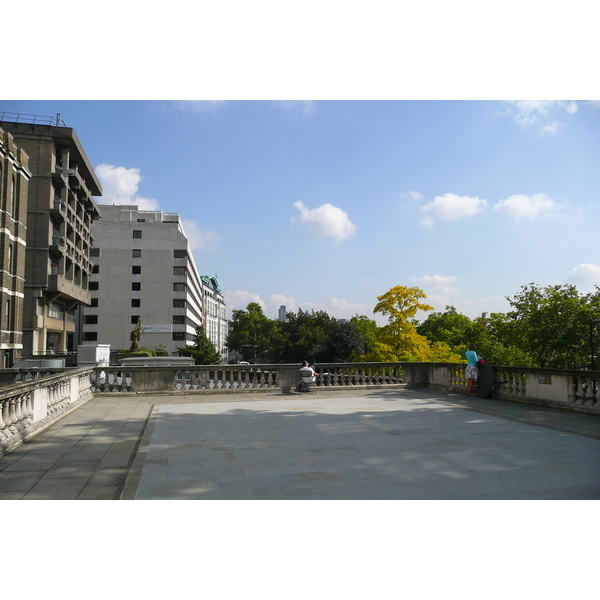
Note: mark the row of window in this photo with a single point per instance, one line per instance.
(177, 336)
(177, 287)
(177, 303)
(137, 270)
(177, 319)
(137, 253)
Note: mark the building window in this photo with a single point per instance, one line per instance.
(134, 319)
(178, 319)
(179, 271)
(136, 286)
(178, 335)
(93, 286)
(91, 319)
(136, 253)
(136, 270)
(95, 268)
(137, 233)
(178, 303)
(94, 302)
(179, 254)
(90, 336)
(141, 220)
(179, 287)
(136, 303)
(55, 311)
(95, 252)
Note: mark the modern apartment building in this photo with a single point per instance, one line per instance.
(144, 269)
(14, 179)
(60, 212)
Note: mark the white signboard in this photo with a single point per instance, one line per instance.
(158, 328)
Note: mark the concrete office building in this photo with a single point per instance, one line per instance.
(144, 269)
(14, 180)
(60, 211)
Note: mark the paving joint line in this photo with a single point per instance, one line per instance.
(121, 487)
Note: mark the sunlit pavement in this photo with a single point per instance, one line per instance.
(359, 444)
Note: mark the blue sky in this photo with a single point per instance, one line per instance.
(328, 204)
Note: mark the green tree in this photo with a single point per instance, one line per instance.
(343, 342)
(202, 351)
(450, 327)
(251, 333)
(551, 324)
(368, 330)
(303, 336)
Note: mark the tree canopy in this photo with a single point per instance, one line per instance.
(546, 327)
(251, 334)
(202, 350)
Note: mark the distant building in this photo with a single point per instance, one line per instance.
(216, 326)
(14, 179)
(282, 313)
(144, 269)
(60, 212)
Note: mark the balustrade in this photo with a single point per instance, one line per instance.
(28, 407)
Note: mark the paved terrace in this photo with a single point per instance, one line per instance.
(350, 444)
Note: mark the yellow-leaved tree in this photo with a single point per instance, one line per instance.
(398, 341)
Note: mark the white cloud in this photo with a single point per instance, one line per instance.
(120, 186)
(326, 220)
(551, 128)
(585, 276)
(343, 309)
(277, 300)
(451, 207)
(529, 113)
(439, 283)
(199, 238)
(239, 300)
(306, 106)
(522, 206)
(412, 196)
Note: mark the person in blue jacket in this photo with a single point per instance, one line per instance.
(471, 372)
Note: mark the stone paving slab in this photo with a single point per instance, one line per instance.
(364, 447)
(347, 444)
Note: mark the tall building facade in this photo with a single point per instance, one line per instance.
(144, 269)
(60, 212)
(14, 180)
(216, 324)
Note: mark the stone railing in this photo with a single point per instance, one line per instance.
(27, 408)
(559, 388)
(25, 374)
(199, 379)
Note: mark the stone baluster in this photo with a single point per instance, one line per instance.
(5, 420)
(18, 401)
(12, 414)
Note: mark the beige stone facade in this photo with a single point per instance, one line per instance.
(14, 178)
(60, 211)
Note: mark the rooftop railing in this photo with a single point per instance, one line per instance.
(32, 119)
